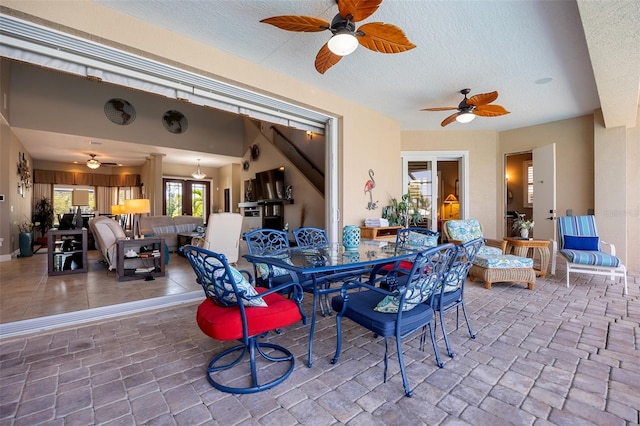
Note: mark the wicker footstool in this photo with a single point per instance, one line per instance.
(494, 275)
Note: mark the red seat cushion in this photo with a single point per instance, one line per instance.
(404, 264)
(224, 323)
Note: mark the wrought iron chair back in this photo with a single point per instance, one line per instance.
(311, 237)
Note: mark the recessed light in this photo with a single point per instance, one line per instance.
(545, 80)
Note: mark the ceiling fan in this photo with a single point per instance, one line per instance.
(92, 163)
(376, 36)
(469, 108)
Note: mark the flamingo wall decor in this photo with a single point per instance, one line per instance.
(368, 187)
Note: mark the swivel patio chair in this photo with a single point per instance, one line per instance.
(451, 294)
(310, 237)
(400, 310)
(581, 248)
(234, 310)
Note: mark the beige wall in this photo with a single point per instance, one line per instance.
(483, 185)
(15, 208)
(574, 158)
(633, 196)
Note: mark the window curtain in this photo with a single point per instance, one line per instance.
(41, 190)
(105, 196)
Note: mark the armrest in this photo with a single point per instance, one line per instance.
(612, 248)
(502, 245)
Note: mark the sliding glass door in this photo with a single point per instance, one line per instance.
(186, 197)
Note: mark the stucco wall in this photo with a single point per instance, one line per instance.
(483, 185)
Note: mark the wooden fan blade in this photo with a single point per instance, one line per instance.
(325, 59)
(450, 119)
(359, 9)
(305, 24)
(439, 109)
(383, 38)
(490, 110)
(482, 99)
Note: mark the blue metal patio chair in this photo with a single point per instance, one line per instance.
(451, 294)
(311, 237)
(582, 249)
(235, 310)
(399, 311)
(264, 240)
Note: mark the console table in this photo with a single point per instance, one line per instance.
(520, 247)
(381, 233)
(148, 264)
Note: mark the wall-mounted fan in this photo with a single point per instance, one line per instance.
(92, 163)
(376, 36)
(469, 108)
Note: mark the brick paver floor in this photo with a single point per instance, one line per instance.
(549, 356)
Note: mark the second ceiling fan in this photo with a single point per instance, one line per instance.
(376, 36)
(469, 108)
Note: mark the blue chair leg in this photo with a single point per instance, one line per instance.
(253, 348)
(444, 333)
(466, 318)
(338, 339)
(405, 380)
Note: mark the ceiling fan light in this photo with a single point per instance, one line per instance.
(467, 117)
(93, 163)
(198, 173)
(343, 43)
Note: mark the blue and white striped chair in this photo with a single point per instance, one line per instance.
(579, 245)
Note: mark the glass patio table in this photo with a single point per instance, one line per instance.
(315, 268)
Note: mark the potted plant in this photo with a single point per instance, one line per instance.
(402, 213)
(523, 226)
(25, 238)
(43, 215)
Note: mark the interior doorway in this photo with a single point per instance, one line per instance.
(518, 189)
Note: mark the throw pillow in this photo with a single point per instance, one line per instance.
(574, 242)
(263, 269)
(243, 286)
(421, 240)
(418, 293)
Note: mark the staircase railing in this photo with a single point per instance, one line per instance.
(300, 159)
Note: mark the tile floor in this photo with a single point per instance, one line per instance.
(548, 356)
(26, 290)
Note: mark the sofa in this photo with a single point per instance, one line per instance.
(169, 227)
(107, 232)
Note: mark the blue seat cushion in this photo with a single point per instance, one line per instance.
(503, 261)
(590, 257)
(448, 298)
(360, 309)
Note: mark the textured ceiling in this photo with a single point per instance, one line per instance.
(549, 60)
(508, 46)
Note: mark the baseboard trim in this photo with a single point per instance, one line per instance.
(36, 325)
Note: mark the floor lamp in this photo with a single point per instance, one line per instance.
(136, 207)
(79, 198)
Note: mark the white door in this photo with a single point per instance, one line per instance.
(420, 180)
(544, 192)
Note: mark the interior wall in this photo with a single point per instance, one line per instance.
(67, 104)
(308, 206)
(574, 158)
(631, 197)
(16, 208)
(482, 148)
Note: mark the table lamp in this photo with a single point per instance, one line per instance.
(79, 198)
(117, 210)
(136, 207)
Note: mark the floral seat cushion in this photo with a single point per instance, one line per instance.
(503, 261)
